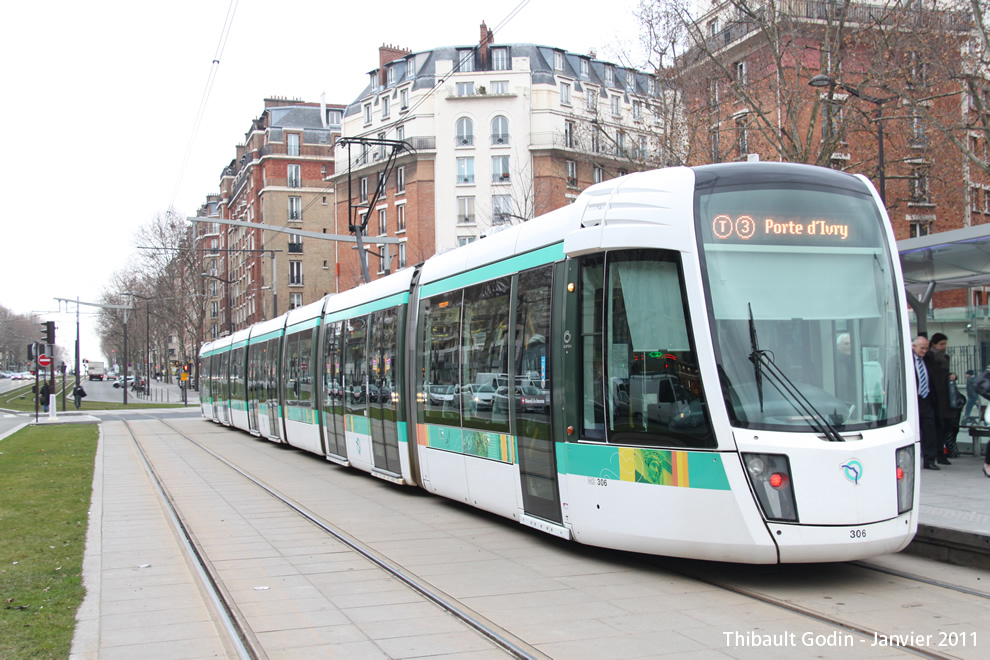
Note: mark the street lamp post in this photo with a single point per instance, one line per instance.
(824, 80)
(147, 343)
(227, 283)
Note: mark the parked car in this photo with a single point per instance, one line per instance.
(119, 382)
(441, 394)
(528, 399)
(477, 397)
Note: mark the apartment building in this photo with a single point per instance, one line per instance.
(279, 178)
(461, 140)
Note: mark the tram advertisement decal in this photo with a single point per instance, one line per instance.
(660, 467)
(297, 414)
(495, 446)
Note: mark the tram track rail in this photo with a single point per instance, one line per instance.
(697, 572)
(920, 578)
(231, 627)
(241, 636)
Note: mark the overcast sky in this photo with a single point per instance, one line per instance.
(102, 97)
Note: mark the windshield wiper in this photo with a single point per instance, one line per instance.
(754, 357)
(763, 359)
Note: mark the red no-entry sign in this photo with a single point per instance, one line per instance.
(44, 360)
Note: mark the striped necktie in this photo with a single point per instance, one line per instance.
(922, 377)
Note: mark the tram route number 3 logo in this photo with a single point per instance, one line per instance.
(724, 227)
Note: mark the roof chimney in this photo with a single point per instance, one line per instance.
(388, 54)
(486, 38)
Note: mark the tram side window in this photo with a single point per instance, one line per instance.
(305, 369)
(533, 328)
(593, 364)
(383, 353)
(438, 364)
(296, 368)
(333, 385)
(204, 380)
(485, 354)
(356, 365)
(253, 379)
(271, 371)
(653, 390)
(237, 374)
(222, 376)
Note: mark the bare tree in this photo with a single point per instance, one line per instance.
(164, 278)
(16, 332)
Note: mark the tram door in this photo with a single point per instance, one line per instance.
(333, 391)
(223, 377)
(270, 377)
(537, 452)
(383, 389)
(214, 385)
(253, 385)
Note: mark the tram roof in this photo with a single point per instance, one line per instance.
(956, 259)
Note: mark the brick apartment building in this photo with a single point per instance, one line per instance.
(496, 133)
(279, 178)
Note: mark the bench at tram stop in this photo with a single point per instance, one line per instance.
(978, 434)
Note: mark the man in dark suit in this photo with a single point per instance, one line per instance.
(937, 362)
(926, 407)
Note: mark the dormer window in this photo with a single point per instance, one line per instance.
(500, 59)
(558, 61)
(373, 80)
(465, 61)
(584, 68)
(609, 74)
(390, 75)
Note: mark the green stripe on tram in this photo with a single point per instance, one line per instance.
(265, 337)
(369, 308)
(303, 325)
(540, 257)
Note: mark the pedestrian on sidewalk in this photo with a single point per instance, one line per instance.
(926, 407)
(46, 393)
(938, 370)
(77, 395)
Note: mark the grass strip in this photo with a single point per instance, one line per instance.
(22, 400)
(46, 479)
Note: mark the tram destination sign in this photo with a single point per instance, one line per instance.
(801, 230)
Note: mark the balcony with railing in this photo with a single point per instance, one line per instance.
(297, 151)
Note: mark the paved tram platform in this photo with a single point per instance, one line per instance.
(144, 599)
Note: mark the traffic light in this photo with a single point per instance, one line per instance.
(48, 332)
(31, 355)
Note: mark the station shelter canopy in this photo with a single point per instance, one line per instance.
(957, 259)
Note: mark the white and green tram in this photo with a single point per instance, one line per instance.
(698, 362)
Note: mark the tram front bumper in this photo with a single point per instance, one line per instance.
(819, 543)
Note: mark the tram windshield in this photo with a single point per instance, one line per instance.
(800, 274)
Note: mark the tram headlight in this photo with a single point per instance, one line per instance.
(905, 479)
(770, 478)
